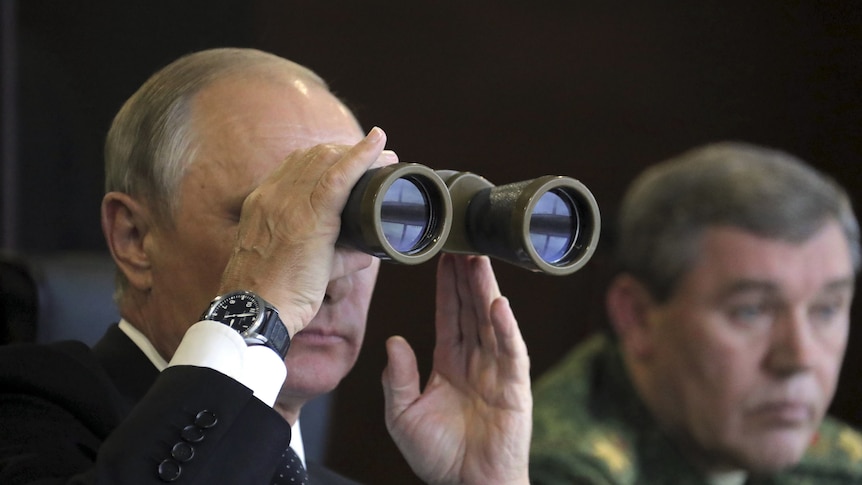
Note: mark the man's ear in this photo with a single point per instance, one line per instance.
(126, 224)
(629, 306)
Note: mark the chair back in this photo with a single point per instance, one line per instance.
(57, 296)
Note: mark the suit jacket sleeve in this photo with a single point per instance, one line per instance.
(61, 421)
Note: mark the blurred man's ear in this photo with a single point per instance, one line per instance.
(126, 224)
(629, 304)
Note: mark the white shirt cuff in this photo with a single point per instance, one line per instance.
(219, 347)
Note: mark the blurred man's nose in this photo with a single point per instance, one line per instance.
(793, 344)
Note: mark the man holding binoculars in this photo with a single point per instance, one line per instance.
(226, 175)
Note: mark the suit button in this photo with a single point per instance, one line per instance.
(206, 419)
(192, 434)
(169, 470)
(183, 452)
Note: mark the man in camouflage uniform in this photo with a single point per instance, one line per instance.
(730, 317)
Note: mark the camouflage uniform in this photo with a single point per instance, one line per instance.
(590, 427)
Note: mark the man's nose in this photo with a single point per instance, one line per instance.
(347, 263)
(793, 344)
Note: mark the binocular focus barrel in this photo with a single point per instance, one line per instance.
(408, 213)
(549, 224)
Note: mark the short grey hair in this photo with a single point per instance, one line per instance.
(151, 141)
(760, 190)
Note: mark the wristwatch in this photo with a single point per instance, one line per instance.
(254, 318)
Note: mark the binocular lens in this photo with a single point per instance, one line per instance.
(399, 212)
(554, 226)
(405, 215)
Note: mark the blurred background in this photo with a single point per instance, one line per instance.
(593, 89)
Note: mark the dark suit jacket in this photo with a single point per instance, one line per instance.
(69, 414)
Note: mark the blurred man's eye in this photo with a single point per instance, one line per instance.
(826, 311)
(746, 312)
(750, 313)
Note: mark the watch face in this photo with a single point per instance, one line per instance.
(240, 311)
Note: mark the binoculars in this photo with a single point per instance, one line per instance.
(407, 213)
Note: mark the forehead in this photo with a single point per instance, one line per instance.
(251, 122)
(729, 255)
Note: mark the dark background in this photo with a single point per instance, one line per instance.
(596, 90)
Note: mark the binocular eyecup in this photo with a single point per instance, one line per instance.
(407, 213)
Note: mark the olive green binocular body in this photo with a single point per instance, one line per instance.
(407, 213)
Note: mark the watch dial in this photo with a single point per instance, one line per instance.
(239, 311)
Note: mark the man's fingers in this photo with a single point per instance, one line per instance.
(400, 378)
(505, 326)
(510, 342)
(340, 177)
(484, 291)
(448, 305)
(387, 157)
(364, 154)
